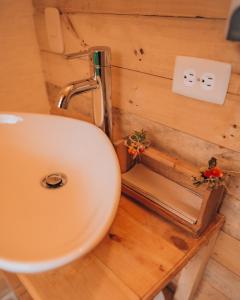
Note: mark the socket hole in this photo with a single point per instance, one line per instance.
(185, 76)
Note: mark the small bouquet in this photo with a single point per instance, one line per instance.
(136, 143)
(213, 176)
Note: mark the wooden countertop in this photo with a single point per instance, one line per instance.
(140, 255)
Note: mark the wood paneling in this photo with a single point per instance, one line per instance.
(151, 44)
(231, 210)
(188, 8)
(151, 97)
(208, 292)
(60, 71)
(21, 62)
(132, 90)
(227, 251)
(146, 96)
(189, 148)
(176, 143)
(223, 280)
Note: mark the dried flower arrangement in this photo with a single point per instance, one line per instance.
(213, 176)
(136, 143)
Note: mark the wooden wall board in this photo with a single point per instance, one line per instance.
(189, 148)
(188, 8)
(146, 96)
(123, 94)
(60, 71)
(176, 143)
(160, 39)
(231, 210)
(132, 90)
(223, 280)
(73, 42)
(151, 44)
(208, 292)
(226, 252)
(234, 85)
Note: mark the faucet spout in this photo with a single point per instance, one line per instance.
(100, 80)
(75, 88)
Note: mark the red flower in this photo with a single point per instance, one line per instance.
(214, 172)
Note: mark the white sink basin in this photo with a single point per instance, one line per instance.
(42, 228)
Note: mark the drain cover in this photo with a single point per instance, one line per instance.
(54, 180)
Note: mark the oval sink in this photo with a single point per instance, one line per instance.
(60, 188)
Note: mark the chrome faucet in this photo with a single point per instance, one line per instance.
(99, 82)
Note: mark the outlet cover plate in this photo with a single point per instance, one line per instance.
(209, 81)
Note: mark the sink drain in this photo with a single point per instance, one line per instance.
(54, 180)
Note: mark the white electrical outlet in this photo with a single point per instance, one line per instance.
(202, 79)
(207, 81)
(189, 77)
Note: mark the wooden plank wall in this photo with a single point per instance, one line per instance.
(145, 36)
(20, 61)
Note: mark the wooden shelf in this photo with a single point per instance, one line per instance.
(164, 192)
(141, 254)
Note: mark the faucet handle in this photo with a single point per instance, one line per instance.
(100, 56)
(75, 55)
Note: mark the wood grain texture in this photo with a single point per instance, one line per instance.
(137, 89)
(231, 210)
(191, 275)
(226, 252)
(208, 292)
(134, 261)
(189, 148)
(187, 8)
(84, 279)
(60, 71)
(131, 92)
(175, 143)
(16, 285)
(21, 63)
(223, 280)
(138, 50)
